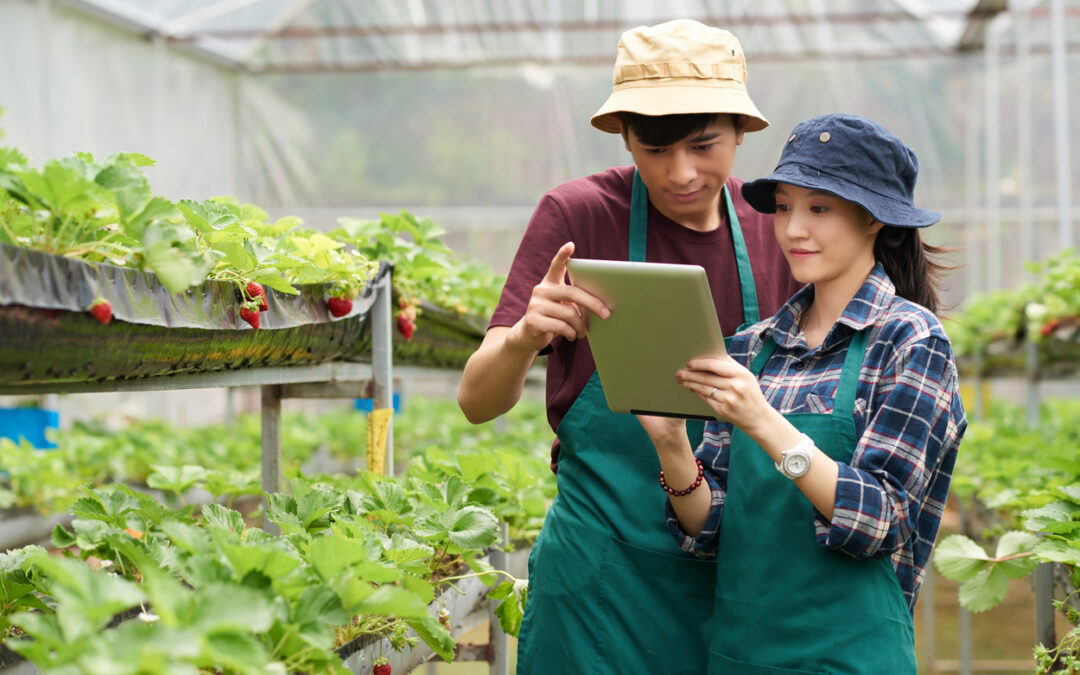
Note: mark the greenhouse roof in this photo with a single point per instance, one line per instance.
(304, 36)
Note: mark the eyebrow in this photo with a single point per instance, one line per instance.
(705, 137)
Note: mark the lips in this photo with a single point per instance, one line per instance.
(686, 196)
(801, 252)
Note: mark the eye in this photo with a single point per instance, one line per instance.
(820, 208)
(654, 151)
(782, 208)
(704, 147)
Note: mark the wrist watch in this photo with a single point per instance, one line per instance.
(796, 461)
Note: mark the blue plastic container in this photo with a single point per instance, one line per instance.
(28, 423)
(366, 404)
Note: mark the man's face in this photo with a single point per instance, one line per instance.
(685, 178)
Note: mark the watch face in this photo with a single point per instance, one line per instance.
(796, 464)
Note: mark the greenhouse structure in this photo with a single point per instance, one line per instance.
(248, 247)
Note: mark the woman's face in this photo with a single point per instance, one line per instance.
(827, 240)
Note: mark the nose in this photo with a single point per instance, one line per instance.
(794, 225)
(683, 168)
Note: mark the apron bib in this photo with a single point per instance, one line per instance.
(610, 591)
(783, 603)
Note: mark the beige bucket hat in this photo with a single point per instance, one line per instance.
(678, 67)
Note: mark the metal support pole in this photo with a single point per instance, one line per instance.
(1044, 605)
(271, 448)
(1062, 146)
(497, 638)
(994, 257)
(926, 597)
(965, 642)
(382, 362)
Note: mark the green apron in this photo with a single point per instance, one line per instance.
(610, 591)
(783, 603)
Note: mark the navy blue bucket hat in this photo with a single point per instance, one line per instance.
(854, 158)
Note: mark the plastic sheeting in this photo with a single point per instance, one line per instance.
(49, 336)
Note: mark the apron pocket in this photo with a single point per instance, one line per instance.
(719, 663)
(655, 610)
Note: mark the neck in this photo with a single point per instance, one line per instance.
(831, 298)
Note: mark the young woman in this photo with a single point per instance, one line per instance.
(821, 494)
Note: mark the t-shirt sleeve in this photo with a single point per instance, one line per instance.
(547, 231)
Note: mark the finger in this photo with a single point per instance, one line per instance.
(556, 273)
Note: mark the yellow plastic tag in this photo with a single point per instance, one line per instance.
(378, 432)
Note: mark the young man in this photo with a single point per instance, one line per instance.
(605, 567)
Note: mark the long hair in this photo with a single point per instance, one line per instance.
(912, 264)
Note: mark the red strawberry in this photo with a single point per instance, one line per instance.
(405, 325)
(255, 290)
(339, 306)
(101, 310)
(1050, 326)
(251, 316)
(382, 666)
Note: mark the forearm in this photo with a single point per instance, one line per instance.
(680, 471)
(775, 434)
(494, 376)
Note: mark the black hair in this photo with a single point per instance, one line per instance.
(912, 264)
(661, 130)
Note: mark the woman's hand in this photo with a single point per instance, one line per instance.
(729, 388)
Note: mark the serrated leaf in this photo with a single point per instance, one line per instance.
(434, 636)
(986, 590)
(958, 558)
(1016, 544)
(1060, 551)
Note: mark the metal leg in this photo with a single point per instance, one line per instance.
(271, 447)
(926, 597)
(382, 363)
(498, 640)
(1044, 605)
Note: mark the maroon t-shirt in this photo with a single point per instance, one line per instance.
(594, 213)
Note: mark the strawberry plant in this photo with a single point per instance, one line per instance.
(1027, 477)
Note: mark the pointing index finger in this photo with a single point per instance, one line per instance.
(557, 271)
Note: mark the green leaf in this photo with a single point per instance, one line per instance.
(471, 527)
(1058, 517)
(231, 608)
(175, 270)
(237, 650)
(394, 601)
(1060, 551)
(1016, 543)
(176, 479)
(329, 555)
(218, 516)
(985, 590)
(434, 636)
(958, 558)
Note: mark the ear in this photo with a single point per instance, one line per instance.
(740, 128)
(626, 139)
(874, 227)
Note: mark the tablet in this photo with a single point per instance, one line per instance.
(662, 315)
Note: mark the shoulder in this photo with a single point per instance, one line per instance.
(904, 323)
(598, 188)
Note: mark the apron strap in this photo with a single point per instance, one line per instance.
(742, 261)
(844, 406)
(639, 218)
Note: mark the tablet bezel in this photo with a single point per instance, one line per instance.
(668, 310)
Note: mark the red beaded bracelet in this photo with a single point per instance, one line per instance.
(693, 486)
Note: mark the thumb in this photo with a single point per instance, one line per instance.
(557, 271)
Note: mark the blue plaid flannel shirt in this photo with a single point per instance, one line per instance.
(908, 416)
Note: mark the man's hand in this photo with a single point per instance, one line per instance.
(556, 308)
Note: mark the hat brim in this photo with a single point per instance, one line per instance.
(760, 194)
(677, 99)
